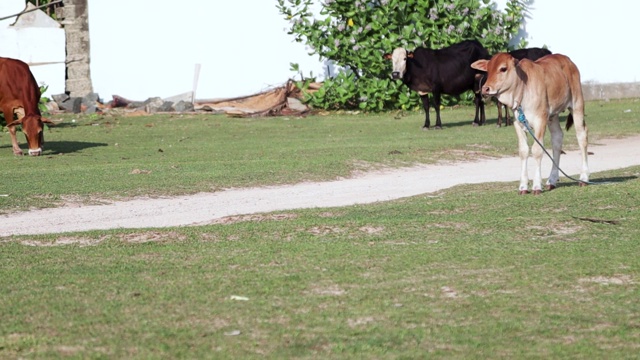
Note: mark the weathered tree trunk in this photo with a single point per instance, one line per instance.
(75, 14)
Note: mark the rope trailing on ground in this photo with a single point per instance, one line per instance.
(523, 120)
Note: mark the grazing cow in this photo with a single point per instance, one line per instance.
(19, 95)
(443, 71)
(532, 54)
(541, 90)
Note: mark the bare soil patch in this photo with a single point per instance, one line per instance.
(243, 204)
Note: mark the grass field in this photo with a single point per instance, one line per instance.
(94, 157)
(470, 272)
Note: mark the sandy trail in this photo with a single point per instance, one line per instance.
(372, 187)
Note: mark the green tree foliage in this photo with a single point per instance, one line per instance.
(40, 2)
(354, 34)
(50, 10)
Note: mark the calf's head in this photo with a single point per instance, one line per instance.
(503, 72)
(399, 60)
(32, 127)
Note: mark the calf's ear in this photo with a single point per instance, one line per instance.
(480, 65)
(386, 56)
(410, 54)
(522, 74)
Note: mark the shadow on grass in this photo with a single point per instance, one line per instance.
(60, 147)
(599, 181)
(65, 147)
(489, 121)
(446, 124)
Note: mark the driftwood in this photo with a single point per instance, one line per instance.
(273, 102)
(284, 100)
(119, 101)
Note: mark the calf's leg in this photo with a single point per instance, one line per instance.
(14, 141)
(556, 142)
(523, 151)
(537, 152)
(9, 117)
(582, 134)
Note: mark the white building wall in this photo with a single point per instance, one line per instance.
(37, 40)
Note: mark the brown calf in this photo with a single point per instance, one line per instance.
(542, 89)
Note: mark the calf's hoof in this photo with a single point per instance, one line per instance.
(523, 192)
(537, 192)
(437, 128)
(582, 183)
(551, 187)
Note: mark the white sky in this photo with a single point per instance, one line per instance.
(139, 52)
(242, 46)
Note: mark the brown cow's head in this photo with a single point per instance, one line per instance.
(399, 60)
(502, 73)
(32, 127)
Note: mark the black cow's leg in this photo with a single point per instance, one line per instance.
(479, 120)
(483, 117)
(499, 113)
(436, 104)
(425, 104)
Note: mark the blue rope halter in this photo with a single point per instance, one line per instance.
(523, 120)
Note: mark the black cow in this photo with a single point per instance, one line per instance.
(443, 71)
(532, 54)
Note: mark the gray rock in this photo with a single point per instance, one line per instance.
(90, 99)
(60, 98)
(183, 106)
(152, 105)
(166, 106)
(73, 105)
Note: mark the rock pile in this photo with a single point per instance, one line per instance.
(283, 100)
(91, 104)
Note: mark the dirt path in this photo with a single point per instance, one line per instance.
(204, 208)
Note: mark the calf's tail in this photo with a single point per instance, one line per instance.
(569, 121)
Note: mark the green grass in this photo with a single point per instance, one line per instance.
(472, 272)
(469, 272)
(120, 157)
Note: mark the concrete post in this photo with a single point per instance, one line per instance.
(75, 19)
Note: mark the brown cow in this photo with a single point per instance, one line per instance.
(19, 96)
(542, 90)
